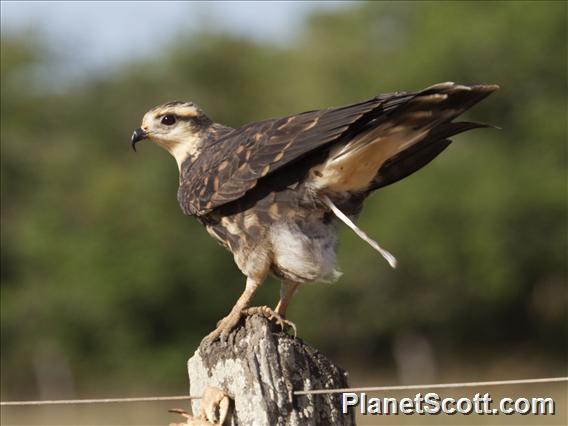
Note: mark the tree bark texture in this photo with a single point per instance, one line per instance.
(260, 367)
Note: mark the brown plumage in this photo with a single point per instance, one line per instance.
(269, 191)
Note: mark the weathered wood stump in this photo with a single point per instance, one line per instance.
(260, 367)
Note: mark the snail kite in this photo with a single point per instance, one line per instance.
(272, 191)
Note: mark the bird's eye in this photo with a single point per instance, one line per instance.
(168, 119)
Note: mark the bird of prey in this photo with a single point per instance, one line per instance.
(272, 192)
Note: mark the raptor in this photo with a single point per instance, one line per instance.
(273, 192)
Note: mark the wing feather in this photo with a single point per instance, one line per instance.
(231, 166)
(245, 155)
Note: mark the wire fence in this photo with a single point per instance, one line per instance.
(434, 386)
(297, 393)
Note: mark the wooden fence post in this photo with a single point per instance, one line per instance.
(259, 368)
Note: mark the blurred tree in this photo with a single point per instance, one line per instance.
(103, 275)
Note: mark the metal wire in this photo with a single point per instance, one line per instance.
(301, 392)
(100, 401)
(433, 386)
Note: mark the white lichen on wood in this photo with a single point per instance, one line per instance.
(260, 367)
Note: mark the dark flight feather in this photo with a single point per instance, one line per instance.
(417, 156)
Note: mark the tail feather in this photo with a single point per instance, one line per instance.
(360, 233)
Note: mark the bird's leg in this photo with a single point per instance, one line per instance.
(287, 289)
(225, 326)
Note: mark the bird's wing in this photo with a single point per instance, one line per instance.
(230, 167)
(417, 156)
(233, 165)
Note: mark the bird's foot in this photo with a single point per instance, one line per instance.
(213, 409)
(224, 327)
(227, 324)
(271, 314)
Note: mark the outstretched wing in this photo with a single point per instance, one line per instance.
(231, 166)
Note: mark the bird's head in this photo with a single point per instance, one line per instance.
(178, 127)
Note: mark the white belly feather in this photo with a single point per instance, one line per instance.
(307, 254)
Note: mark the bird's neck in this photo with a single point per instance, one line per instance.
(181, 152)
(183, 148)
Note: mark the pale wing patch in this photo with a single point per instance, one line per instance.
(352, 167)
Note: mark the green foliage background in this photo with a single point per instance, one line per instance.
(103, 273)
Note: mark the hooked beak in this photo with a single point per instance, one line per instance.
(137, 136)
